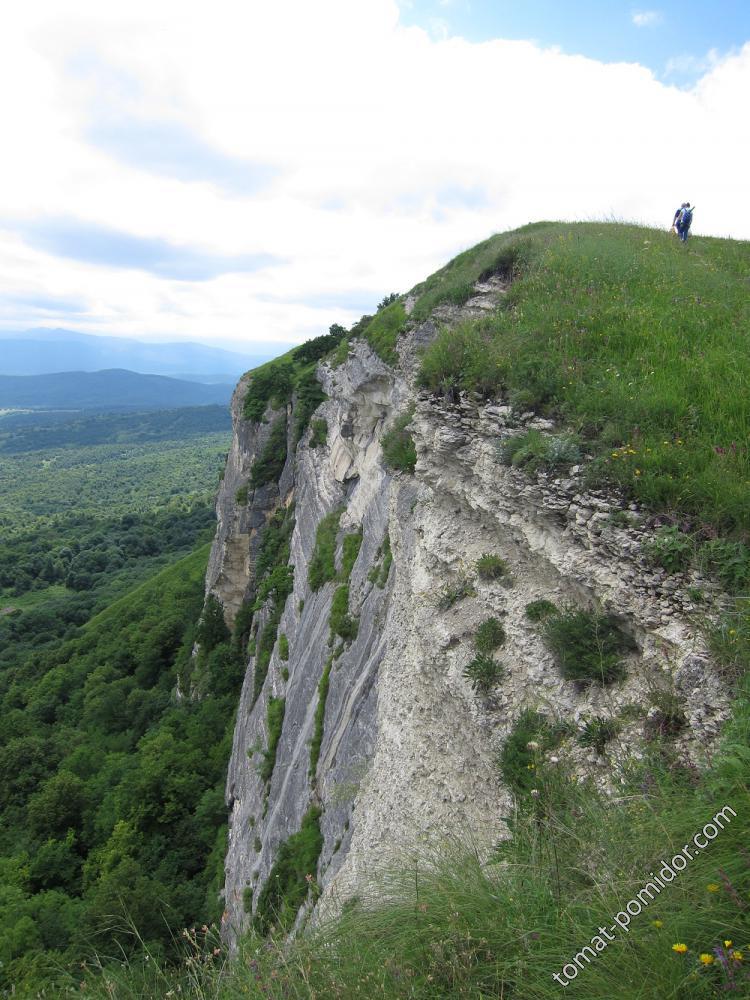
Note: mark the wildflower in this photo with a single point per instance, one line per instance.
(733, 631)
(713, 887)
(728, 944)
(657, 923)
(680, 948)
(737, 956)
(637, 472)
(532, 745)
(531, 767)
(534, 793)
(707, 959)
(554, 760)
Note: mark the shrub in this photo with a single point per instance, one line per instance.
(241, 495)
(398, 445)
(492, 567)
(283, 647)
(315, 349)
(320, 712)
(286, 888)
(350, 550)
(319, 435)
(452, 593)
(322, 566)
(269, 465)
(517, 760)
(728, 561)
(533, 450)
(484, 673)
(587, 645)
(490, 635)
(274, 723)
(382, 331)
(671, 549)
(597, 732)
(308, 395)
(465, 357)
(341, 622)
(340, 355)
(537, 611)
(270, 382)
(667, 719)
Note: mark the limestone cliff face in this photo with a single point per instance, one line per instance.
(408, 748)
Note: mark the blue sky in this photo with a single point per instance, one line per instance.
(670, 38)
(243, 171)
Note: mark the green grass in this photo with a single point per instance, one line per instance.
(636, 343)
(268, 466)
(341, 622)
(490, 635)
(320, 712)
(484, 673)
(382, 331)
(537, 611)
(492, 567)
(350, 550)
(274, 724)
(319, 435)
(398, 445)
(322, 566)
(588, 646)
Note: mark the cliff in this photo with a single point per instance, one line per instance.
(357, 716)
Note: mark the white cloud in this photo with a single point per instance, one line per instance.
(647, 18)
(388, 151)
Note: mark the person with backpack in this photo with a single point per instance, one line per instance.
(682, 221)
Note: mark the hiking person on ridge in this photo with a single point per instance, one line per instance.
(683, 218)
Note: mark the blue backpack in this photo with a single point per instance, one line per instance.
(686, 218)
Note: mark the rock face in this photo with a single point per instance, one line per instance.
(408, 751)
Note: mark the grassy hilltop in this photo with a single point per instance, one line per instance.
(638, 348)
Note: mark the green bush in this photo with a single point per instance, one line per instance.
(268, 466)
(597, 732)
(308, 395)
(533, 450)
(241, 495)
(587, 645)
(668, 718)
(464, 357)
(340, 355)
(492, 567)
(350, 550)
(322, 566)
(274, 724)
(382, 331)
(490, 635)
(341, 622)
(319, 435)
(283, 647)
(671, 549)
(270, 382)
(537, 611)
(484, 673)
(320, 712)
(518, 761)
(287, 887)
(399, 451)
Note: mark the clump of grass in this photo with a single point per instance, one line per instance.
(322, 566)
(274, 724)
(269, 465)
(350, 550)
(383, 329)
(667, 718)
(341, 622)
(452, 593)
(728, 562)
(320, 712)
(319, 435)
(287, 887)
(537, 611)
(340, 354)
(492, 567)
(399, 451)
(383, 561)
(241, 495)
(588, 646)
(484, 673)
(490, 636)
(597, 732)
(671, 549)
(283, 647)
(729, 640)
(533, 450)
(518, 760)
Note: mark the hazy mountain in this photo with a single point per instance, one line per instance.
(114, 388)
(44, 351)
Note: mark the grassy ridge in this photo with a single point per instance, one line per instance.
(638, 343)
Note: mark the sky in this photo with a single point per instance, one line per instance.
(242, 172)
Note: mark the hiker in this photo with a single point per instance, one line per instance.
(683, 218)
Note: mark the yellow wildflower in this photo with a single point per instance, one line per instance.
(728, 944)
(707, 959)
(657, 923)
(713, 887)
(680, 948)
(737, 956)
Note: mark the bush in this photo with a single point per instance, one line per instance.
(490, 635)
(462, 358)
(283, 647)
(398, 445)
(320, 712)
(533, 450)
(671, 549)
(315, 349)
(350, 550)
(341, 622)
(270, 382)
(274, 724)
(382, 331)
(518, 760)
(241, 495)
(492, 567)
(269, 465)
(319, 435)
(667, 718)
(286, 888)
(537, 611)
(322, 566)
(597, 732)
(484, 673)
(587, 645)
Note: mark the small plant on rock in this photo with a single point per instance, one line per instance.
(492, 567)
(537, 611)
(452, 593)
(484, 673)
(597, 732)
(587, 645)
(490, 635)
(671, 549)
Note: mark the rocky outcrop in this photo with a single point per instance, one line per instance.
(408, 750)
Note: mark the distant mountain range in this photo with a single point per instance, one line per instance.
(45, 351)
(106, 390)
